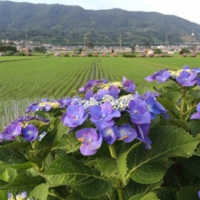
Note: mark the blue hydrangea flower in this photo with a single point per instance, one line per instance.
(197, 114)
(12, 131)
(63, 102)
(114, 91)
(199, 194)
(74, 116)
(33, 107)
(153, 106)
(90, 141)
(128, 85)
(100, 94)
(29, 118)
(187, 78)
(125, 133)
(102, 115)
(88, 94)
(161, 76)
(108, 134)
(138, 112)
(29, 133)
(74, 101)
(90, 84)
(142, 132)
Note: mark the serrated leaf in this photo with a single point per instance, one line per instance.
(55, 131)
(166, 193)
(20, 166)
(195, 93)
(149, 173)
(180, 123)
(68, 143)
(188, 193)
(40, 192)
(167, 142)
(16, 145)
(125, 148)
(169, 106)
(192, 164)
(3, 195)
(23, 181)
(194, 127)
(7, 174)
(148, 196)
(66, 170)
(134, 188)
(12, 156)
(108, 167)
(76, 195)
(37, 157)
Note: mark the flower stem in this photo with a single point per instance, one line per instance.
(182, 108)
(113, 154)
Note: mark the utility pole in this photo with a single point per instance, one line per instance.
(84, 41)
(193, 40)
(166, 43)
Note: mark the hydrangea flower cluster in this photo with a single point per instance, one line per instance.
(185, 77)
(22, 127)
(103, 108)
(99, 111)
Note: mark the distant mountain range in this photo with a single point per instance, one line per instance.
(73, 25)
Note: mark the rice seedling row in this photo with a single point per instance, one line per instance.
(60, 77)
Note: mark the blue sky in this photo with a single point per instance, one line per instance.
(185, 9)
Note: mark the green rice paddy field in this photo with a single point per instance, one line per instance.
(24, 80)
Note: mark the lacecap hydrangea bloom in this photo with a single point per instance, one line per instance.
(186, 77)
(94, 118)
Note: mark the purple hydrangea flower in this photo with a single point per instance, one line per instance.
(30, 133)
(138, 112)
(88, 94)
(153, 106)
(100, 94)
(12, 131)
(74, 101)
(102, 115)
(114, 91)
(63, 102)
(196, 70)
(161, 76)
(128, 85)
(197, 114)
(108, 134)
(199, 193)
(186, 78)
(33, 107)
(46, 107)
(90, 141)
(74, 116)
(142, 132)
(90, 84)
(126, 133)
(29, 118)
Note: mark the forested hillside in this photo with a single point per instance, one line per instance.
(67, 25)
